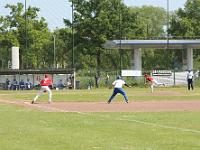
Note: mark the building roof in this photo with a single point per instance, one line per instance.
(43, 71)
(157, 44)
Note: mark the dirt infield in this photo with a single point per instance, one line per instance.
(161, 106)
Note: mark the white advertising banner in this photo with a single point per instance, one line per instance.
(131, 73)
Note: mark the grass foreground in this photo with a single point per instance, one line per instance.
(22, 129)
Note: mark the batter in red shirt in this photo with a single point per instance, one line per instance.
(44, 83)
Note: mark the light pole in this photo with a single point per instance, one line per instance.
(54, 50)
(73, 35)
(120, 36)
(167, 32)
(26, 33)
(73, 66)
(167, 23)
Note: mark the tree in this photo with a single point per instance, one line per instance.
(150, 25)
(29, 32)
(184, 23)
(95, 22)
(150, 21)
(63, 47)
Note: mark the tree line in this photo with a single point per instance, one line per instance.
(79, 44)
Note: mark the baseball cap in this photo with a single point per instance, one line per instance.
(119, 77)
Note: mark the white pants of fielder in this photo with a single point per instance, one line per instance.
(155, 83)
(42, 90)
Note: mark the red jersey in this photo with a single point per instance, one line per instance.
(45, 82)
(149, 78)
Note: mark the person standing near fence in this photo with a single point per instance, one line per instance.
(152, 82)
(118, 89)
(107, 80)
(97, 80)
(44, 83)
(7, 84)
(190, 77)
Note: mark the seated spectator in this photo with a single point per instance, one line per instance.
(14, 85)
(68, 84)
(60, 85)
(22, 84)
(28, 84)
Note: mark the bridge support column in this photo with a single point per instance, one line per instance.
(136, 59)
(15, 57)
(189, 58)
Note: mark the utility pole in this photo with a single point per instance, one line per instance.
(54, 51)
(167, 24)
(73, 35)
(167, 32)
(73, 65)
(120, 36)
(26, 35)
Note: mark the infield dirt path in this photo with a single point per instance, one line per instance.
(161, 106)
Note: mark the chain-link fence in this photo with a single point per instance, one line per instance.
(89, 79)
(169, 77)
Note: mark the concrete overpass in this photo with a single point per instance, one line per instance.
(137, 45)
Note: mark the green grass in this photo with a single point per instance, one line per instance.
(134, 94)
(22, 129)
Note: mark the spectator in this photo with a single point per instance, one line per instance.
(28, 84)
(71, 78)
(14, 85)
(60, 85)
(107, 80)
(22, 84)
(68, 84)
(7, 84)
(97, 80)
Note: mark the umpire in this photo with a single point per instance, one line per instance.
(190, 79)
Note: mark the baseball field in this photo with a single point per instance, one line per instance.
(167, 119)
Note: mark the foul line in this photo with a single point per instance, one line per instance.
(51, 109)
(161, 126)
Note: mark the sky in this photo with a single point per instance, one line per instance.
(55, 10)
